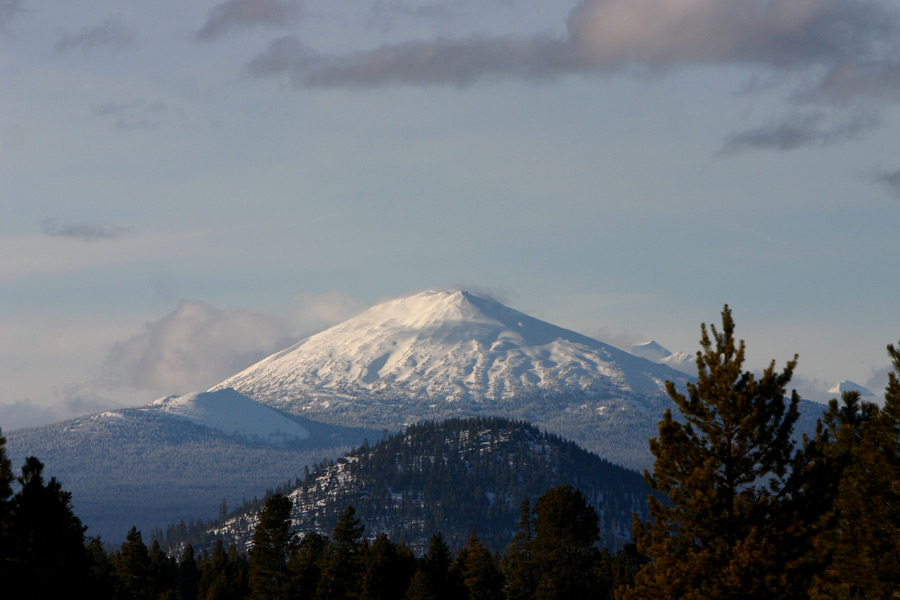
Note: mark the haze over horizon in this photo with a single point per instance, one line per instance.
(188, 187)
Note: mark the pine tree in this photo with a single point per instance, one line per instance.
(342, 569)
(564, 553)
(188, 575)
(272, 544)
(305, 566)
(46, 538)
(864, 540)
(479, 570)
(133, 568)
(516, 566)
(6, 545)
(223, 575)
(743, 503)
(388, 570)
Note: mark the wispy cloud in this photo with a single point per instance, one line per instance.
(112, 34)
(236, 15)
(88, 232)
(607, 36)
(844, 50)
(198, 345)
(444, 61)
(799, 130)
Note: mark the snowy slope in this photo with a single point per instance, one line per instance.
(849, 386)
(680, 361)
(232, 413)
(444, 346)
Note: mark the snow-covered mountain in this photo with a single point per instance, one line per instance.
(849, 386)
(439, 354)
(680, 361)
(446, 347)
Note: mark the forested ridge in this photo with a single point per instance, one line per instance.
(743, 511)
(452, 476)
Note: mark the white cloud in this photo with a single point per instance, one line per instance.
(193, 348)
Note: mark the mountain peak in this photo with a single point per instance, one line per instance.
(440, 348)
(651, 350)
(849, 386)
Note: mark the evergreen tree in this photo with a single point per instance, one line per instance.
(223, 576)
(6, 545)
(305, 566)
(388, 570)
(46, 540)
(564, 553)
(864, 540)
(743, 505)
(479, 571)
(188, 575)
(135, 575)
(433, 578)
(272, 544)
(516, 565)
(342, 565)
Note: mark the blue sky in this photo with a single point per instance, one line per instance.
(187, 187)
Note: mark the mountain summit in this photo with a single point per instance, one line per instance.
(448, 347)
(440, 354)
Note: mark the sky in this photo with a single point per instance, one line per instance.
(186, 187)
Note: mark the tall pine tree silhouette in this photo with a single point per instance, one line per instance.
(743, 502)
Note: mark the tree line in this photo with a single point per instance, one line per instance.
(745, 512)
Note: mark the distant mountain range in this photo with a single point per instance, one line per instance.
(441, 354)
(428, 357)
(452, 477)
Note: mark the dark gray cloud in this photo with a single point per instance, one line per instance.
(235, 15)
(111, 34)
(89, 232)
(444, 61)
(844, 52)
(610, 35)
(891, 180)
(799, 130)
(133, 115)
(9, 10)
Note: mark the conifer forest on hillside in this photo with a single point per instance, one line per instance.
(737, 508)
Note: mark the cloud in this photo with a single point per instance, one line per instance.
(779, 33)
(838, 55)
(798, 130)
(234, 15)
(9, 10)
(458, 62)
(89, 232)
(198, 345)
(111, 34)
(25, 413)
(891, 180)
(193, 348)
(608, 36)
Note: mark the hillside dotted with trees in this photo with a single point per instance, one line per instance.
(746, 512)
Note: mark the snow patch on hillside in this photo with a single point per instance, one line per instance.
(228, 411)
